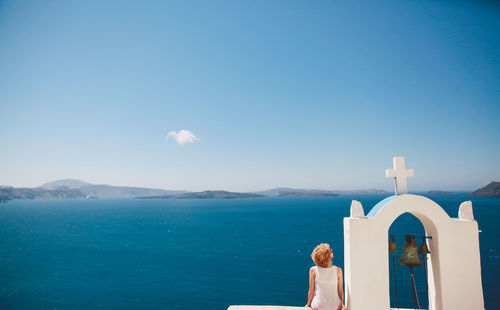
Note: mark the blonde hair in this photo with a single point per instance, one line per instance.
(321, 255)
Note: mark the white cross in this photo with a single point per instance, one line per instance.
(399, 173)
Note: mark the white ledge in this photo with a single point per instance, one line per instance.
(266, 308)
(283, 308)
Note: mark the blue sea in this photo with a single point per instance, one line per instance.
(195, 254)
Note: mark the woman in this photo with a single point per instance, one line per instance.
(325, 281)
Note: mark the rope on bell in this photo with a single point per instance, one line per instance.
(393, 249)
(410, 258)
(424, 250)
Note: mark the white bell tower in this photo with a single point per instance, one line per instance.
(454, 265)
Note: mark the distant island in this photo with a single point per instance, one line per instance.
(207, 195)
(305, 194)
(216, 195)
(108, 191)
(435, 192)
(285, 191)
(490, 190)
(73, 188)
(10, 193)
(155, 197)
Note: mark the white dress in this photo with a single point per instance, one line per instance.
(326, 294)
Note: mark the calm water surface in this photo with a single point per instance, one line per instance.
(194, 254)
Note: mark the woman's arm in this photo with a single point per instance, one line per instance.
(312, 278)
(340, 287)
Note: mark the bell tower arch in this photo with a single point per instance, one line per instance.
(454, 267)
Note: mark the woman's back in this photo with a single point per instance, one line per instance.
(326, 296)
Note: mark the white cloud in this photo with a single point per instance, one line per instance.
(184, 136)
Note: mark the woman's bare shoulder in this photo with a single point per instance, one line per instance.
(312, 270)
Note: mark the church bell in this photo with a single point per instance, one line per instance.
(392, 245)
(410, 254)
(423, 248)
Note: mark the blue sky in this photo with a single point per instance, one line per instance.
(311, 94)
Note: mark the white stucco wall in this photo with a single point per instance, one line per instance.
(454, 267)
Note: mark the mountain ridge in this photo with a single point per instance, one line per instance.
(75, 188)
(69, 183)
